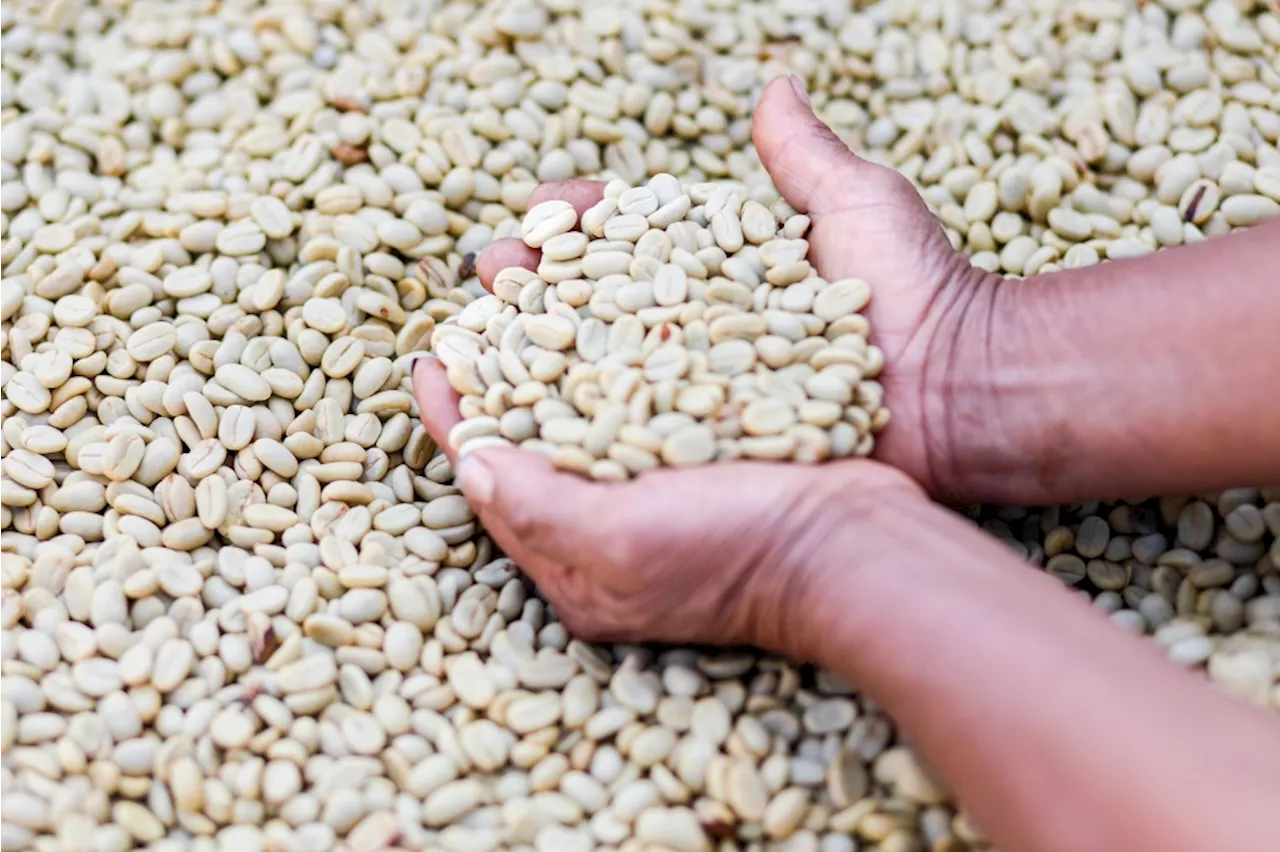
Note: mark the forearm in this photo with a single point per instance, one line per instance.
(1150, 376)
(1056, 730)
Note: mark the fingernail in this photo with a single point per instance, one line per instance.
(475, 479)
(420, 359)
(798, 85)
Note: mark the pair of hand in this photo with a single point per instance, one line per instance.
(732, 554)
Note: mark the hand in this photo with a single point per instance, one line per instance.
(736, 554)
(870, 223)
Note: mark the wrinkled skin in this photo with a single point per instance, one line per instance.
(729, 554)
(722, 555)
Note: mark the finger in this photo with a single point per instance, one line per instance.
(504, 254)
(530, 504)
(438, 408)
(437, 401)
(582, 194)
(710, 499)
(809, 164)
(566, 517)
(518, 512)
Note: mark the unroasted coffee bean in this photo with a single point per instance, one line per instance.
(1092, 537)
(595, 327)
(1195, 526)
(244, 603)
(1067, 567)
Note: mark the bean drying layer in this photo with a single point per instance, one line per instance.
(245, 607)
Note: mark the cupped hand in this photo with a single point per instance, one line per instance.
(730, 554)
(868, 222)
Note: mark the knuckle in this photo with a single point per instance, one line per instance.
(892, 183)
(827, 138)
(582, 626)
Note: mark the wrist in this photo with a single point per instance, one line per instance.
(997, 392)
(838, 584)
(906, 580)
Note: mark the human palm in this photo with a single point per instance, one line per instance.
(868, 222)
(728, 554)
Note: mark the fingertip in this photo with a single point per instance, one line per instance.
(529, 477)
(521, 467)
(531, 505)
(808, 162)
(582, 194)
(776, 108)
(478, 465)
(421, 364)
(504, 254)
(785, 88)
(429, 377)
(475, 476)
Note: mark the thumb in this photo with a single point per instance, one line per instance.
(809, 164)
